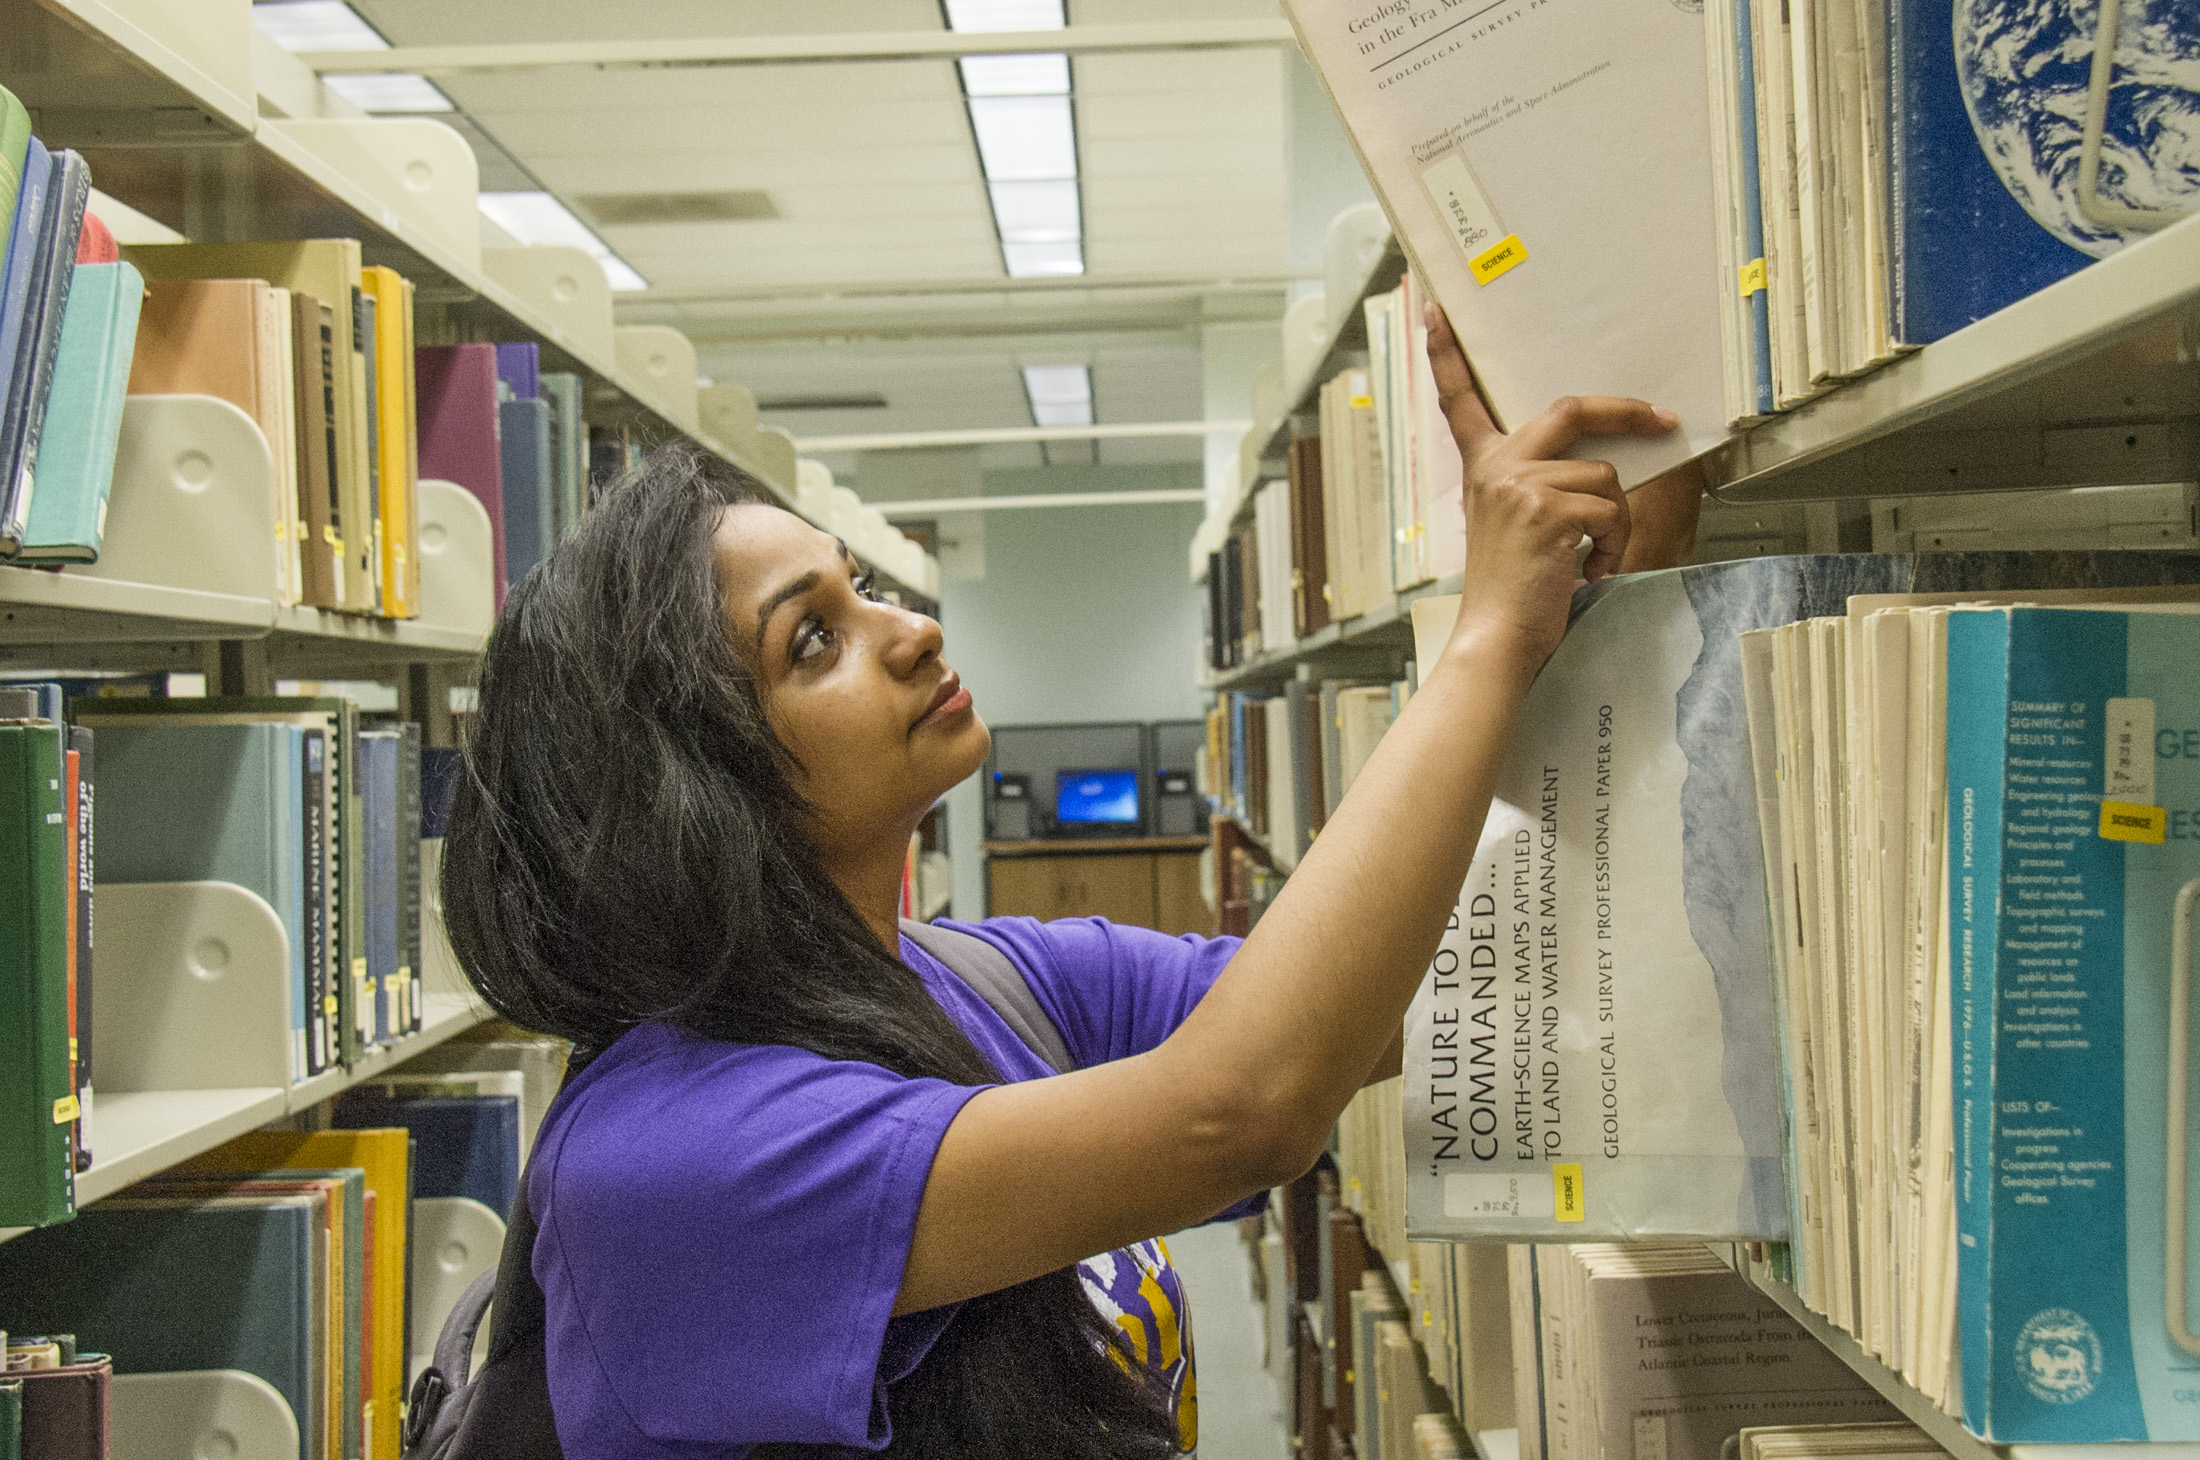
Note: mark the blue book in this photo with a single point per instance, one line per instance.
(1987, 108)
(91, 377)
(378, 769)
(523, 429)
(2073, 867)
(30, 386)
(1755, 292)
(440, 768)
(463, 1145)
(212, 803)
(519, 367)
(15, 274)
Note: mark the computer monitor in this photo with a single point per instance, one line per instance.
(1096, 798)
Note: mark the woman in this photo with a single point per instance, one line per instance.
(811, 1192)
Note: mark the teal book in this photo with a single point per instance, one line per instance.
(91, 377)
(2073, 869)
(37, 1105)
(211, 803)
(175, 1284)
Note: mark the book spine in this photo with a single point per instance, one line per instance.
(1755, 285)
(1978, 699)
(350, 840)
(408, 872)
(314, 775)
(37, 1178)
(28, 393)
(70, 804)
(374, 549)
(80, 745)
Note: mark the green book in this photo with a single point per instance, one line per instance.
(37, 907)
(169, 1284)
(346, 995)
(76, 453)
(15, 142)
(11, 1414)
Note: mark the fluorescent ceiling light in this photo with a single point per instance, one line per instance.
(1024, 138)
(1042, 74)
(316, 25)
(1037, 212)
(1043, 260)
(534, 217)
(1061, 395)
(973, 15)
(395, 92)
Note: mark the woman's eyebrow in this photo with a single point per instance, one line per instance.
(795, 589)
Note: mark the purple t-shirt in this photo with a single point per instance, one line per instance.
(723, 1227)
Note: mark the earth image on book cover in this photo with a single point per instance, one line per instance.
(2026, 67)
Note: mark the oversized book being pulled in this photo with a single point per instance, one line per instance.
(1595, 1049)
(1547, 166)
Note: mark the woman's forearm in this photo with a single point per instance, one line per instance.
(1315, 997)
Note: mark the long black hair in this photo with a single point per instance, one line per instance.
(628, 844)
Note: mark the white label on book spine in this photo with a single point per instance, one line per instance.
(1473, 220)
(1498, 1196)
(2130, 728)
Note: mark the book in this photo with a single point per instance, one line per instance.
(52, 268)
(1519, 182)
(95, 242)
(318, 524)
(388, 999)
(569, 453)
(82, 752)
(2073, 812)
(68, 514)
(15, 141)
(168, 1284)
(328, 270)
(519, 367)
(1310, 594)
(458, 431)
(230, 339)
(215, 803)
(37, 1101)
(1656, 1347)
(16, 273)
(396, 433)
(530, 491)
(462, 1145)
(1547, 1095)
(384, 1156)
(64, 1408)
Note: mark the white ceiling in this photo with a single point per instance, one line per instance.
(871, 165)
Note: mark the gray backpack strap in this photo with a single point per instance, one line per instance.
(999, 982)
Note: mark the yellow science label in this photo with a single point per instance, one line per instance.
(2126, 821)
(1490, 251)
(1753, 277)
(1568, 1197)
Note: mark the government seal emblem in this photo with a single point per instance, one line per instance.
(2059, 1356)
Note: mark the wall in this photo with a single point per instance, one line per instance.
(1084, 613)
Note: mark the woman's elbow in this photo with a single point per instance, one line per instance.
(1262, 1140)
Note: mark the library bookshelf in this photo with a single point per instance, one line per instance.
(2092, 382)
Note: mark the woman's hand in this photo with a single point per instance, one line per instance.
(1528, 509)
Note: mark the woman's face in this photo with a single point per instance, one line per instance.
(853, 686)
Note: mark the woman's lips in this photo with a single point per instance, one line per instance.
(952, 699)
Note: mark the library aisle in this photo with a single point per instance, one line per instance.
(622, 627)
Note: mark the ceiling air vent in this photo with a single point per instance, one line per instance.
(873, 402)
(616, 210)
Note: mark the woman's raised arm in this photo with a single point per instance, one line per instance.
(1034, 1176)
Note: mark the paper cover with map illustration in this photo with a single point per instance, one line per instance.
(1548, 167)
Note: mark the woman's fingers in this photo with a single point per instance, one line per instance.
(1456, 396)
(1574, 499)
(1558, 426)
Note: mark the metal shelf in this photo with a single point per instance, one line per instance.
(140, 1133)
(2092, 381)
(1381, 636)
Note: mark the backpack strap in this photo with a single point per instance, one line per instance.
(993, 978)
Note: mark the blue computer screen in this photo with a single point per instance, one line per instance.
(1090, 796)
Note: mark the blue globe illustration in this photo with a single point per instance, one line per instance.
(2024, 66)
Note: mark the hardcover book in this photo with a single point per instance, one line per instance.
(37, 1104)
(458, 431)
(76, 461)
(30, 386)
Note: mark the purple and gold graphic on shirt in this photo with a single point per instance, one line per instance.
(1138, 1290)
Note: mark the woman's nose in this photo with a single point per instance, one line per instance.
(915, 639)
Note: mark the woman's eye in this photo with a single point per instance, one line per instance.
(811, 640)
(867, 587)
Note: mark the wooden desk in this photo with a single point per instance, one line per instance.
(1147, 882)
